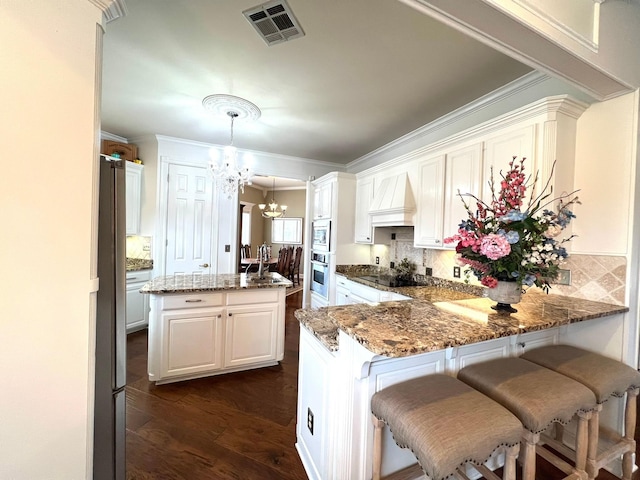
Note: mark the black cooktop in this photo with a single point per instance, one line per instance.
(389, 281)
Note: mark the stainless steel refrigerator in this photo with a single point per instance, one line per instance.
(111, 335)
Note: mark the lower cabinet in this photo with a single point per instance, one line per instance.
(137, 310)
(203, 334)
(349, 293)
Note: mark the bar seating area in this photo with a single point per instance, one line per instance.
(452, 423)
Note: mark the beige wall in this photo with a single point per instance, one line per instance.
(49, 162)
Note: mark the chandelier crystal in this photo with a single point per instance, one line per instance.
(228, 174)
(274, 210)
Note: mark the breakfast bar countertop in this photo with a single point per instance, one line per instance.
(437, 318)
(209, 283)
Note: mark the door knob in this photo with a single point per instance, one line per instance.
(204, 265)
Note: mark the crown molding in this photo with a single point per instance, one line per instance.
(111, 9)
(114, 138)
(509, 90)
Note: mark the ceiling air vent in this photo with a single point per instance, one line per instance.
(275, 22)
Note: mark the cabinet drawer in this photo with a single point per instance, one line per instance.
(136, 276)
(194, 300)
(254, 295)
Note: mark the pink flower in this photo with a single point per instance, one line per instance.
(495, 246)
(489, 281)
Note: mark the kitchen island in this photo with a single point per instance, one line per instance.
(203, 325)
(347, 353)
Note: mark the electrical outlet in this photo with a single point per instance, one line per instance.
(456, 272)
(428, 271)
(393, 236)
(392, 264)
(377, 260)
(227, 248)
(564, 277)
(310, 420)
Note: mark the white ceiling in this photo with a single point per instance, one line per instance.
(365, 73)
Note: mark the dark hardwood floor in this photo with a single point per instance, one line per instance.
(234, 426)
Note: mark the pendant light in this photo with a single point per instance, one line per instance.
(274, 210)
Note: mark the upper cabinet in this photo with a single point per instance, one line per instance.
(440, 209)
(323, 200)
(133, 196)
(364, 198)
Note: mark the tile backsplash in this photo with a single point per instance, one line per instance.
(593, 277)
(139, 247)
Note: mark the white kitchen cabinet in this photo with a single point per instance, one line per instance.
(463, 173)
(209, 333)
(318, 301)
(364, 198)
(133, 189)
(499, 151)
(192, 343)
(342, 296)
(430, 202)
(137, 304)
(440, 209)
(322, 200)
(251, 334)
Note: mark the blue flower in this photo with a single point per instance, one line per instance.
(513, 216)
(511, 236)
(529, 279)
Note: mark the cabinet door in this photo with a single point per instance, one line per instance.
(428, 228)
(137, 310)
(364, 197)
(500, 150)
(463, 174)
(251, 334)
(191, 341)
(133, 192)
(342, 296)
(322, 201)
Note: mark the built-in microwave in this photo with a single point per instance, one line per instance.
(320, 274)
(321, 236)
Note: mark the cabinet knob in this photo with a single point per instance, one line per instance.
(437, 241)
(368, 238)
(204, 265)
(230, 314)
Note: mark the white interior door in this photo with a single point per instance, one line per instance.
(190, 217)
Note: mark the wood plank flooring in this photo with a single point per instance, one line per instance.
(234, 426)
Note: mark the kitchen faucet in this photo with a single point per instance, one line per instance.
(262, 251)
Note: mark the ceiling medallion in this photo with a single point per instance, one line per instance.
(221, 104)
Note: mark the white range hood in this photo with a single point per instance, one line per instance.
(393, 204)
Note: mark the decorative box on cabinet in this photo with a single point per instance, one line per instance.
(137, 309)
(127, 151)
(133, 196)
(364, 197)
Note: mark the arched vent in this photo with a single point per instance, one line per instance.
(275, 22)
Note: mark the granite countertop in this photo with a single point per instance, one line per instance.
(438, 318)
(135, 264)
(210, 283)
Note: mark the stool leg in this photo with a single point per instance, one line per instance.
(629, 433)
(528, 455)
(592, 449)
(582, 441)
(510, 454)
(377, 447)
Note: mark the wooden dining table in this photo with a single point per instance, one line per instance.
(247, 263)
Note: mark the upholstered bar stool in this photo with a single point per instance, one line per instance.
(539, 397)
(606, 378)
(446, 424)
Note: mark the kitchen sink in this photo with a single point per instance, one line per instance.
(268, 279)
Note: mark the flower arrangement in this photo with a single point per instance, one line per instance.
(501, 241)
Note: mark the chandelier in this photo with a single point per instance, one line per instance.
(228, 174)
(275, 210)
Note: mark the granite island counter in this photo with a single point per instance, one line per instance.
(202, 325)
(349, 352)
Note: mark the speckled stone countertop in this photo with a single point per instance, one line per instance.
(135, 264)
(438, 318)
(210, 283)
